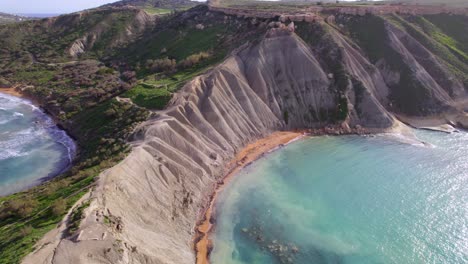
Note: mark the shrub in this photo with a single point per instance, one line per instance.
(18, 208)
(194, 59)
(103, 71)
(128, 76)
(286, 116)
(26, 230)
(59, 207)
(161, 65)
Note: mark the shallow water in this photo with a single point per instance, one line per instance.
(32, 147)
(349, 199)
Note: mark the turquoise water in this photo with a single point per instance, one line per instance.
(32, 147)
(349, 199)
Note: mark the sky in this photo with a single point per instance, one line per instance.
(48, 6)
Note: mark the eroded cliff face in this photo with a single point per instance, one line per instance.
(144, 209)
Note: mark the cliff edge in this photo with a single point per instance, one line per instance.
(144, 209)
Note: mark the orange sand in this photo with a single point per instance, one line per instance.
(11, 91)
(250, 153)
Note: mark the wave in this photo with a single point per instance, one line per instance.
(5, 121)
(12, 153)
(17, 142)
(39, 131)
(9, 117)
(9, 101)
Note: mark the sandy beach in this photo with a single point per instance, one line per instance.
(11, 91)
(247, 155)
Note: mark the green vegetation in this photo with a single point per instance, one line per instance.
(156, 4)
(174, 53)
(369, 32)
(446, 48)
(83, 95)
(288, 5)
(179, 43)
(453, 26)
(25, 217)
(76, 216)
(157, 11)
(149, 96)
(359, 93)
(50, 41)
(41, 76)
(319, 38)
(155, 91)
(342, 109)
(286, 116)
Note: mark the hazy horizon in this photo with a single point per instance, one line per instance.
(50, 6)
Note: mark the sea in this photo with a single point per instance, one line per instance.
(349, 200)
(32, 147)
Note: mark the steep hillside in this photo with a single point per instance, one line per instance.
(8, 18)
(145, 208)
(66, 37)
(82, 94)
(206, 82)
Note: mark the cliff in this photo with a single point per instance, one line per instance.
(308, 74)
(145, 208)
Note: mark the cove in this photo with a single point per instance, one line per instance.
(349, 199)
(32, 147)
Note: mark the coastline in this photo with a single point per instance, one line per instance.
(12, 91)
(59, 134)
(250, 153)
(247, 155)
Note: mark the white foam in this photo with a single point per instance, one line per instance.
(408, 139)
(4, 121)
(12, 153)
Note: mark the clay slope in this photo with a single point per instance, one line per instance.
(145, 208)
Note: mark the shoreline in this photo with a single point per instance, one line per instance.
(250, 153)
(72, 150)
(13, 91)
(246, 156)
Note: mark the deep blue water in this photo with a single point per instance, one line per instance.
(349, 199)
(32, 147)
